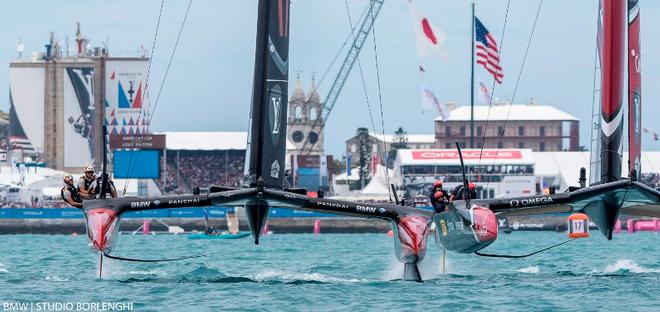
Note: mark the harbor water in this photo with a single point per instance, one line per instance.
(330, 272)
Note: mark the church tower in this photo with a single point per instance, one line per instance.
(304, 114)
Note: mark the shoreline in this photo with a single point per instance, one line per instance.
(277, 225)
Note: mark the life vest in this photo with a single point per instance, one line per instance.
(87, 183)
(75, 195)
(108, 187)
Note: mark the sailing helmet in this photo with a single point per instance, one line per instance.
(88, 169)
(438, 195)
(437, 183)
(472, 186)
(67, 178)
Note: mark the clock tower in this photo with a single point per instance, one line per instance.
(305, 123)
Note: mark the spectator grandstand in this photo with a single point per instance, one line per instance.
(187, 169)
(204, 159)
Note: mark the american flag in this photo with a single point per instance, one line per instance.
(487, 53)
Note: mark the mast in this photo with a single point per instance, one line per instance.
(104, 165)
(104, 133)
(472, 85)
(612, 52)
(634, 91)
(267, 137)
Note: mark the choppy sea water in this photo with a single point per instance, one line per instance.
(357, 272)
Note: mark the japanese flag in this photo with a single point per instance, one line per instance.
(430, 39)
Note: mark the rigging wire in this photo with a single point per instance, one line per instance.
(522, 67)
(380, 100)
(327, 71)
(594, 157)
(167, 70)
(364, 85)
(492, 89)
(151, 57)
(318, 123)
(169, 64)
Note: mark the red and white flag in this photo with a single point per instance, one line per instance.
(484, 93)
(430, 102)
(488, 54)
(430, 39)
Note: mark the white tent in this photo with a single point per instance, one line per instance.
(377, 189)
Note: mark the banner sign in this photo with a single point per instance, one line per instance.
(467, 154)
(144, 141)
(214, 212)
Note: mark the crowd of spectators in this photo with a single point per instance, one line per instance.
(188, 169)
(171, 182)
(482, 170)
(34, 204)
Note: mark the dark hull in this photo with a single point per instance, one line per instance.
(465, 230)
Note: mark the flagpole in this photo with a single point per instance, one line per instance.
(472, 85)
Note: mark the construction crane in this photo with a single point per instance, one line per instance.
(368, 19)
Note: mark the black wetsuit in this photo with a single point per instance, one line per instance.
(458, 193)
(110, 186)
(439, 204)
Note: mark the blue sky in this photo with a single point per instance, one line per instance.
(209, 86)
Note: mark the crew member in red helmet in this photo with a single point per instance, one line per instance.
(459, 194)
(439, 198)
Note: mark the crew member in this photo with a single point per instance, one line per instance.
(438, 197)
(70, 193)
(109, 188)
(210, 230)
(439, 201)
(459, 194)
(85, 182)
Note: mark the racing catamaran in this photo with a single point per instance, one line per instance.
(473, 223)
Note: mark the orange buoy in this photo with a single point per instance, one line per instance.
(578, 225)
(390, 233)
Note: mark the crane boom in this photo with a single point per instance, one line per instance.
(338, 84)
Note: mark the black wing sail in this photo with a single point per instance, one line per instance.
(267, 148)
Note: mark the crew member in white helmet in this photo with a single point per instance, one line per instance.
(70, 193)
(85, 183)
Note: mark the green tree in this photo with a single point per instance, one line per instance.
(364, 144)
(338, 166)
(400, 142)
